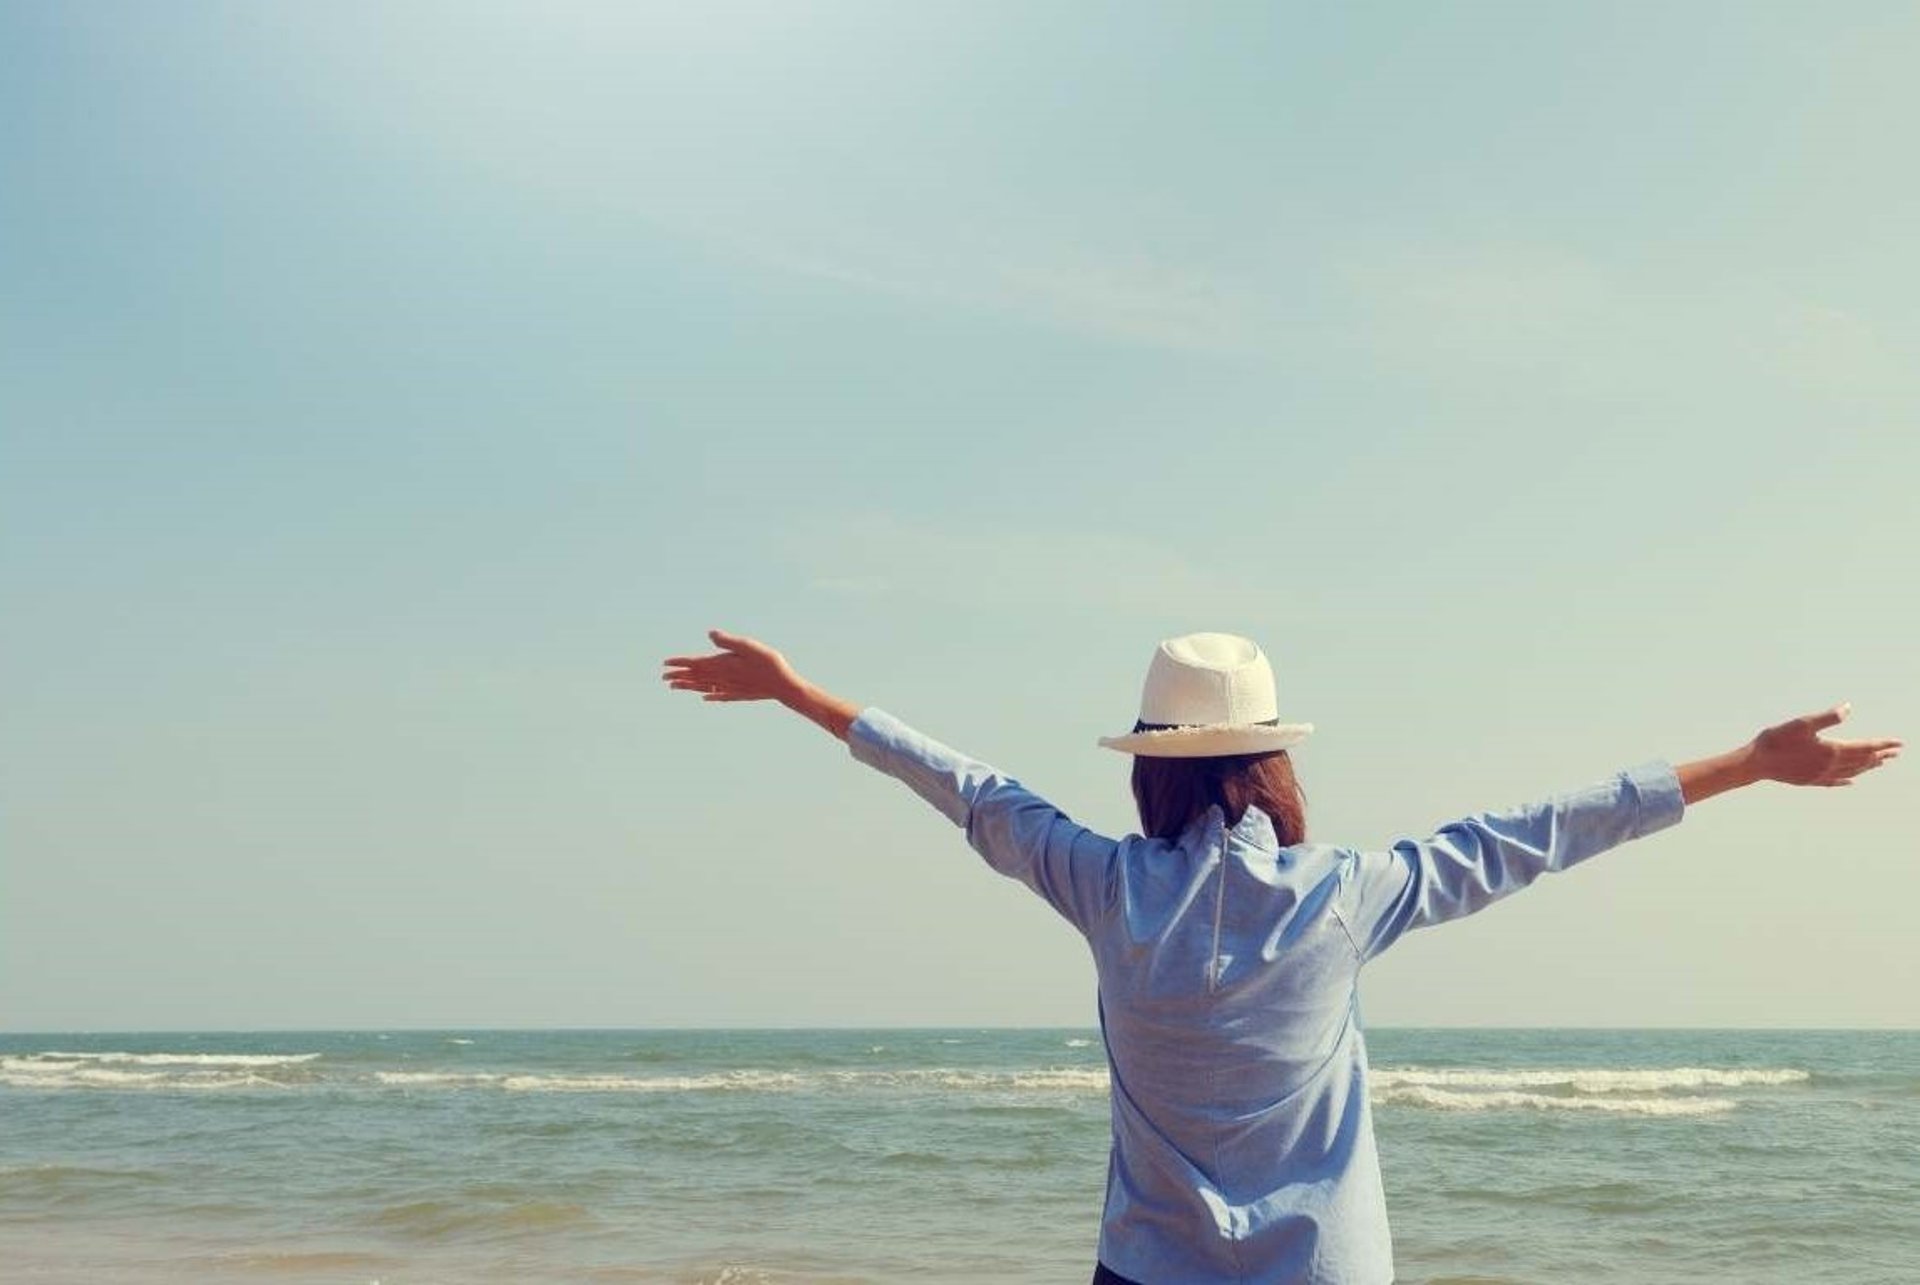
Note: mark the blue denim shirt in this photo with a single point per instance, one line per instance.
(1243, 1142)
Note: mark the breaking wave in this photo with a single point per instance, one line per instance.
(1587, 1080)
(1513, 1100)
(1649, 1091)
(173, 1059)
(1644, 1091)
(172, 1071)
(1069, 1080)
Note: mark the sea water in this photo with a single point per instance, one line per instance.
(925, 1155)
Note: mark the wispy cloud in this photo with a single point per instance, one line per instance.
(1458, 315)
(881, 553)
(1119, 292)
(775, 153)
(1557, 318)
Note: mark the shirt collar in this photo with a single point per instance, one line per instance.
(1257, 828)
(1254, 828)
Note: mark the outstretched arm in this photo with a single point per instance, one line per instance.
(1791, 752)
(745, 669)
(1473, 862)
(1019, 833)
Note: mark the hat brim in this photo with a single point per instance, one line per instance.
(1209, 742)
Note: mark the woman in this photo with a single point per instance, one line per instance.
(1229, 948)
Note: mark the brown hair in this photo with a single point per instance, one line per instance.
(1171, 792)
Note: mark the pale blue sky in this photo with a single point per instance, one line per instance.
(385, 389)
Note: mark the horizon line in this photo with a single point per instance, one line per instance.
(965, 1026)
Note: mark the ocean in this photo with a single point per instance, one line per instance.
(809, 1157)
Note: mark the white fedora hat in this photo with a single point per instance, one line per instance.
(1208, 694)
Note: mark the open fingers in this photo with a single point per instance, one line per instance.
(1845, 770)
(701, 662)
(1875, 747)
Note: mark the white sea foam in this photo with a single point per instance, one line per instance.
(47, 1075)
(587, 1083)
(723, 1081)
(1650, 1091)
(1586, 1080)
(179, 1059)
(1078, 1044)
(1509, 1100)
(456, 1040)
(1070, 1080)
(730, 1275)
(61, 1069)
(1051, 1079)
(435, 1077)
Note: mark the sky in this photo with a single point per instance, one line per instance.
(386, 389)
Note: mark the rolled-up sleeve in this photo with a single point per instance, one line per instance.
(1019, 833)
(1471, 863)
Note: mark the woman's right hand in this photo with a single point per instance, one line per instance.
(744, 669)
(1792, 752)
